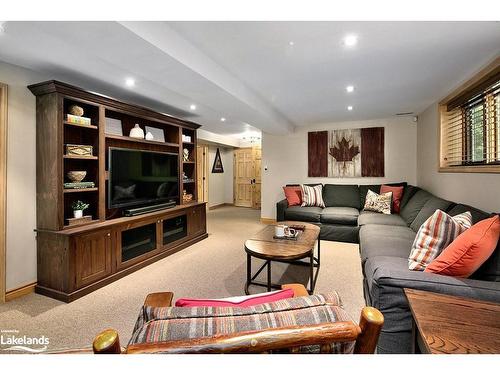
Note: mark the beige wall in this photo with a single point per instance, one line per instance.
(481, 190)
(21, 176)
(286, 158)
(220, 185)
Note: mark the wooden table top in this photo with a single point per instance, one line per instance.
(449, 324)
(263, 245)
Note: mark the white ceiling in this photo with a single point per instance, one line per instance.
(249, 73)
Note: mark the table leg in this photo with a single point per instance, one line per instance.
(319, 251)
(311, 269)
(268, 275)
(249, 273)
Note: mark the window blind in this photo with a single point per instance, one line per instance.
(470, 128)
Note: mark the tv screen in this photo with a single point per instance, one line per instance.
(141, 178)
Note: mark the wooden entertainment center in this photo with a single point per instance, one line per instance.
(76, 259)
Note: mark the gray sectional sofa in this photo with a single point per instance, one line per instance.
(385, 242)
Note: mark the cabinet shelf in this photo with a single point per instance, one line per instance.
(139, 140)
(80, 157)
(188, 162)
(80, 190)
(81, 125)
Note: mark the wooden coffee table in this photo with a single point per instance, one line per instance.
(263, 246)
(444, 324)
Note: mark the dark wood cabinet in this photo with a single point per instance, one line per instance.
(75, 259)
(197, 220)
(92, 257)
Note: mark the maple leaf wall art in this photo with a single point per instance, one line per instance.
(349, 153)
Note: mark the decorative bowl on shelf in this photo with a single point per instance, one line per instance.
(76, 176)
(75, 110)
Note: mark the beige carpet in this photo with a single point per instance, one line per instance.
(214, 267)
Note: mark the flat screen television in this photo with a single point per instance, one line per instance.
(141, 178)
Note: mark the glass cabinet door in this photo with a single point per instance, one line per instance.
(174, 229)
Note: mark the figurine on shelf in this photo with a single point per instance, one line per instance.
(78, 208)
(75, 110)
(184, 176)
(185, 154)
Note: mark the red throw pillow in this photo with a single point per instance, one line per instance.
(397, 194)
(469, 250)
(243, 301)
(293, 195)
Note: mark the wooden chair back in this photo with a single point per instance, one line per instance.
(365, 334)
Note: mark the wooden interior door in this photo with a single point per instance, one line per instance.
(243, 177)
(257, 160)
(202, 172)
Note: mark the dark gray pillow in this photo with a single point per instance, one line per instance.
(433, 204)
(477, 215)
(410, 211)
(124, 192)
(341, 196)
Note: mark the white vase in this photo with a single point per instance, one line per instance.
(78, 214)
(136, 132)
(149, 136)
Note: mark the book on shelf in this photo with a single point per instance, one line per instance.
(72, 119)
(79, 185)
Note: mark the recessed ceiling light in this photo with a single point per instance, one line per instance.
(130, 82)
(223, 119)
(349, 88)
(350, 40)
(291, 43)
(192, 107)
(349, 108)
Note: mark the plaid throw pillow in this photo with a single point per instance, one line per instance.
(434, 235)
(378, 202)
(312, 196)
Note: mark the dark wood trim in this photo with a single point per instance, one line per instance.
(78, 93)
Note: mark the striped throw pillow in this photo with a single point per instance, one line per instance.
(434, 235)
(312, 196)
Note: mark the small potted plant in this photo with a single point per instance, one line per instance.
(78, 208)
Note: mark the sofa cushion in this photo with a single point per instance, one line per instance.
(429, 208)
(298, 213)
(180, 323)
(393, 271)
(341, 196)
(367, 217)
(293, 195)
(340, 215)
(410, 211)
(490, 270)
(477, 215)
(409, 192)
(378, 240)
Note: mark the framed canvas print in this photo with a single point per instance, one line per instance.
(113, 126)
(217, 167)
(157, 133)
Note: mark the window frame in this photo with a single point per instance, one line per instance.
(476, 81)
